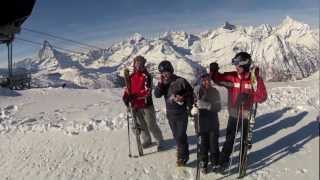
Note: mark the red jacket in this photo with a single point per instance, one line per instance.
(141, 83)
(237, 84)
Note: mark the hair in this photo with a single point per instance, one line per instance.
(205, 75)
(139, 59)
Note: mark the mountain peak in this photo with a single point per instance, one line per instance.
(46, 51)
(136, 38)
(289, 26)
(288, 21)
(229, 26)
(46, 44)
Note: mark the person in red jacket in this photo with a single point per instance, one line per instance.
(142, 104)
(242, 94)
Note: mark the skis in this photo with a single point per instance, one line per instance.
(197, 129)
(243, 148)
(246, 143)
(253, 112)
(252, 122)
(137, 129)
(198, 148)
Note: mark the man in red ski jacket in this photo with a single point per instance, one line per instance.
(244, 89)
(142, 104)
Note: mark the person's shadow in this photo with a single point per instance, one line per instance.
(8, 92)
(282, 147)
(266, 131)
(261, 121)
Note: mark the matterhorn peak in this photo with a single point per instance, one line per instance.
(229, 26)
(46, 51)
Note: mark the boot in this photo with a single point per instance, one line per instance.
(204, 167)
(182, 162)
(160, 146)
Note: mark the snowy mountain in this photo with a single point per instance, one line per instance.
(287, 51)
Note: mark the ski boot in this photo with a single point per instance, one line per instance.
(182, 161)
(204, 167)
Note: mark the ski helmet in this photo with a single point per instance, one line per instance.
(165, 66)
(243, 59)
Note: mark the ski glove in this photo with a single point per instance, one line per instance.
(214, 67)
(243, 98)
(129, 98)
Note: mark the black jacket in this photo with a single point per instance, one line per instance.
(176, 86)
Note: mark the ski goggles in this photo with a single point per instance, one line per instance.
(237, 61)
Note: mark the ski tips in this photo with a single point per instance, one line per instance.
(126, 71)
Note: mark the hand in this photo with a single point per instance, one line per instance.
(178, 98)
(214, 67)
(257, 70)
(126, 91)
(242, 98)
(159, 78)
(161, 81)
(194, 111)
(132, 97)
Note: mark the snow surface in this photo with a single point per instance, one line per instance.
(73, 134)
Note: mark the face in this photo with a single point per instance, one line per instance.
(239, 69)
(139, 66)
(166, 76)
(205, 82)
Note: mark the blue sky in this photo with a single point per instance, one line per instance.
(102, 22)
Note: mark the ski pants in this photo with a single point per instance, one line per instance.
(231, 134)
(178, 125)
(146, 119)
(209, 143)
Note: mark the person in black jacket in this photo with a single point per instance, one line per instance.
(178, 95)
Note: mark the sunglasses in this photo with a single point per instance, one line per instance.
(237, 61)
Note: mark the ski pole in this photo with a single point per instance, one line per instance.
(130, 155)
(241, 141)
(198, 148)
(234, 141)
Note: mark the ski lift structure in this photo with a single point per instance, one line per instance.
(10, 25)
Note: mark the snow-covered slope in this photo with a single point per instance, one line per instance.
(53, 134)
(287, 51)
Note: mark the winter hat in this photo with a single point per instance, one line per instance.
(165, 66)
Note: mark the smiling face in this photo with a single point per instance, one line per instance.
(166, 76)
(139, 66)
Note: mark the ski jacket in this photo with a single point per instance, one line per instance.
(140, 90)
(241, 83)
(176, 86)
(208, 99)
(209, 104)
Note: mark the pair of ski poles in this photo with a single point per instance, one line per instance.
(235, 137)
